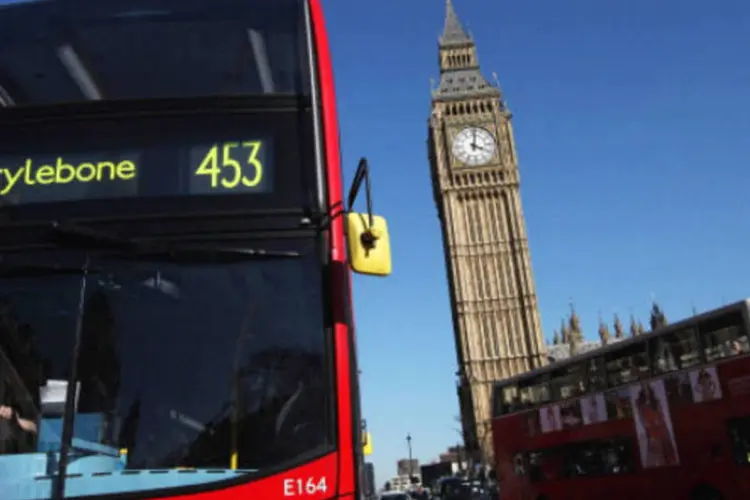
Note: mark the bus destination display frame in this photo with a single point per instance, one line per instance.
(159, 164)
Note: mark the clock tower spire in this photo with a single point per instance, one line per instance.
(458, 61)
(476, 186)
(453, 32)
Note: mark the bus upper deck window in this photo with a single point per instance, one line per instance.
(510, 398)
(724, 336)
(675, 351)
(627, 365)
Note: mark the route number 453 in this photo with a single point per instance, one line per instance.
(305, 487)
(233, 164)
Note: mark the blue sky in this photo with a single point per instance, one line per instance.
(632, 124)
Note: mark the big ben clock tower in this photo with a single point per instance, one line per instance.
(476, 187)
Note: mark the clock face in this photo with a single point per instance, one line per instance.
(474, 146)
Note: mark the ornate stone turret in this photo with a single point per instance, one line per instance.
(575, 334)
(603, 332)
(575, 324)
(636, 328)
(573, 343)
(564, 332)
(619, 330)
(657, 319)
(556, 338)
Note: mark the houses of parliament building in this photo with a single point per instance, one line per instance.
(476, 186)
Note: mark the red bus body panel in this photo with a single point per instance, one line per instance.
(278, 485)
(701, 434)
(340, 294)
(337, 468)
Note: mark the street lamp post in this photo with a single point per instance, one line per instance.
(408, 445)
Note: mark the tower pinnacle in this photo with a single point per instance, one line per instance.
(453, 32)
(460, 77)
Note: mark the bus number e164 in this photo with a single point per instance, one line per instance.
(305, 487)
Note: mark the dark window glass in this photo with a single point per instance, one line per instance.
(534, 391)
(497, 401)
(724, 336)
(627, 365)
(37, 326)
(675, 351)
(568, 382)
(525, 396)
(542, 392)
(739, 434)
(183, 365)
(510, 399)
(587, 458)
(618, 456)
(618, 403)
(545, 465)
(599, 458)
(583, 460)
(140, 49)
(596, 372)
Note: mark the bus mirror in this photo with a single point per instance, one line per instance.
(367, 234)
(369, 244)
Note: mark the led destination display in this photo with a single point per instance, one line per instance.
(231, 167)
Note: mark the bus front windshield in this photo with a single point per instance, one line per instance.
(179, 365)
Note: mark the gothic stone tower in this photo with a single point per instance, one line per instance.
(476, 186)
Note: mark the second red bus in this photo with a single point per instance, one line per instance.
(661, 415)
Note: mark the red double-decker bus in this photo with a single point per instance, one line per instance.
(661, 415)
(175, 253)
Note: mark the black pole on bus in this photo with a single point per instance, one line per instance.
(71, 389)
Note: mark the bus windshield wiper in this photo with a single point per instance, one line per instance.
(25, 269)
(74, 234)
(86, 238)
(209, 254)
(30, 266)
